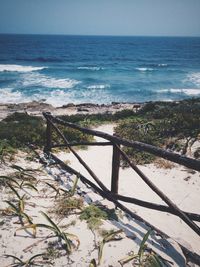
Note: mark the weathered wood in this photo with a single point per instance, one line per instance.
(174, 157)
(190, 255)
(83, 144)
(93, 175)
(154, 206)
(115, 170)
(48, 146)
(179, 212)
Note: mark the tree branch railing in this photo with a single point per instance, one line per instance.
(116, 142)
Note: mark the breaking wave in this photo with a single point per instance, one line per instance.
(37, 79)
(90, 68)
(194, 78)
(98, 86)
(144, 69)
(9, 96)
(18, 68)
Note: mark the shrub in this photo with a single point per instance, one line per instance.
(19, 129)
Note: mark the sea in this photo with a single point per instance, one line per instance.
(62, 69)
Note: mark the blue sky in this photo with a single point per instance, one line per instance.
(101, 17)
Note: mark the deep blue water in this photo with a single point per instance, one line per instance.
(63, 69)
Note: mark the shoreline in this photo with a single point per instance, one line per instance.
(38, 107)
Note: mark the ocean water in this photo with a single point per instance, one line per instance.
(96, 69)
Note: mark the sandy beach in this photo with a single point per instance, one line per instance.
(24, 245)
(177, 183)
(180, 184)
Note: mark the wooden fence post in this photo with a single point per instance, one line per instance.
(48, 137)
(115, 170)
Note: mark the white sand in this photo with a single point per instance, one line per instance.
(186, 194)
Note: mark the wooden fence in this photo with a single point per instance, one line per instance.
(112, 194)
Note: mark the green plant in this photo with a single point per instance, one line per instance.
(19, 185)
(67, 238)
(65, 205)
(25, 174)
(74, 187)
(93, 263)
(69, 193)
(6, 151)
(18, 210)
(19, 129)
(52, 253)
(56, 189)
(93, 215)
(159, 122)
(113, 236)
(4, 179)
(29, 262)
(143, 259)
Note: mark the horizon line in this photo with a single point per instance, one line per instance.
(101, 35)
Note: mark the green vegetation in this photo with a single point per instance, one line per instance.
(113, 236)
(19, 129)
(96, 119)
(95, 214)
(144, 257)
(65, 205)
(67, 238)
(171, 125)
(27, 263)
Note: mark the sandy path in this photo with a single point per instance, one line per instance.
(177, 183)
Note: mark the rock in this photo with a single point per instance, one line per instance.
(69, 105)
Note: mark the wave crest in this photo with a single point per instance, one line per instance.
(18, 68)
(90, 68)
(144, 69)
(98, 86)
(9, 96)
(194, 78)
(50, 82)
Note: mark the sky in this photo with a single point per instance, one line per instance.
(101, 17)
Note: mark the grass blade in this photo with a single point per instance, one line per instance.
(14, 190)
(55, 227)
(15, 209)
(75, 185)
(29, 185)
(33, 257)
(33, 226)
(93, 263)
(14, 257)
(127, 259)
(67, 242)
(142, 245)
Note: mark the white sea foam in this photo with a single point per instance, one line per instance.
(162, 65)
(36, 79)
(144, 69)
(98, 86)
(18, 68)
(90, 68)
(9, 96)
(194, 78)
(188, 91)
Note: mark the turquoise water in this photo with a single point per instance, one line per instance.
(62, 69)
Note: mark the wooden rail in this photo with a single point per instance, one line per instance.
(116, 142)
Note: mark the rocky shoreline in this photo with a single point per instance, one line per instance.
(36, 108)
